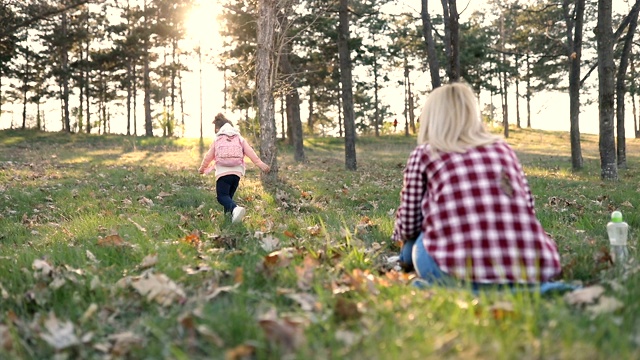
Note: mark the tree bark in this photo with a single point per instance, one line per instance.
(65, 74)
(347, 87)
(292, 97)
(518, 92)
(621, 91)
(87, 81)
(528, 95)
(148, 125)
(432, 55)
(265, 68)
(574, 51)
(606, 72)
(292, 103)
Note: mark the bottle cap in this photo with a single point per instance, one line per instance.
(616, 217)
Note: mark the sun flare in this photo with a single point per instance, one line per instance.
(202, 23)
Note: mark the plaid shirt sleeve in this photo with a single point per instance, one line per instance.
(409, 216)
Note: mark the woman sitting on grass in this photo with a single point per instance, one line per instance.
(466, 211)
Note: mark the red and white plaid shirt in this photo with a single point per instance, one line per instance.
(477, 214)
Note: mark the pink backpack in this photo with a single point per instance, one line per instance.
(229, 151)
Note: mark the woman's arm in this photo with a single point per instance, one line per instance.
(409, 217)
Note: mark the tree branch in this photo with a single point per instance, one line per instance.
(616, 36)
(45, 14)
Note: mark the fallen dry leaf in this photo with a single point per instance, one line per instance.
(583, 296)
(238, 275)
(210, 335)
(305, 272)
(501, 310)
(314, 230)
(605, 305)
(308, 302)
(241, 352)
(123, 342)
(111, 240)
(60, 335)
(286, 332)
(5, 338)
(42, 267)
(159, 288)
(149, 261)
(89, 312)
(346, 309)
(221, 289)
(142, 229)
(193, 238)
(91, 257)
(347, 337)
(146, 202)
(269, 243)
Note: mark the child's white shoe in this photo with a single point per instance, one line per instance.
(237, 214)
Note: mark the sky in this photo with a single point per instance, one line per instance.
(550, 110)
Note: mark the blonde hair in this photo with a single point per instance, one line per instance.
(450, 120)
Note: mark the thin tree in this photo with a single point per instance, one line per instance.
(574, 51)
(265, 73)
(432, 56)
(347, 87)
(451, 38)
(621, 89)
(291, 95)
(606, 72)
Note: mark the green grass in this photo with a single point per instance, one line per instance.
(324, 292)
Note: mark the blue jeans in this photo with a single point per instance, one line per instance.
(428, 270)
(425, 266)
(226, 187)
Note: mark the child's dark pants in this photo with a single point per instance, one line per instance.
(226, 187)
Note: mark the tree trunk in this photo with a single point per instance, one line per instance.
(634, 76)
(606, 72)
(65, 73)
(81, 88)
(432, 55)
(340, 127)
(135, 99)
(528, 92)
(24, 92)
(87, 82)
(148, 125)
(347, 87)
(311, 109)
(292, 100)
(504, 84)
(129, 60)
(376, 104)
(454, 29)
(200, 84)
(129, 96)
(574, 51)
(517, 93)
(452, 43)
(621, 91)
(412, 122)
(265, 68)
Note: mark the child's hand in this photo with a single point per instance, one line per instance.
(265, 168)
(201, 170)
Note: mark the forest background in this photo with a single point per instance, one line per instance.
(342, 68)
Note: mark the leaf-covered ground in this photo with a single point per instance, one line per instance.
(113, 247)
